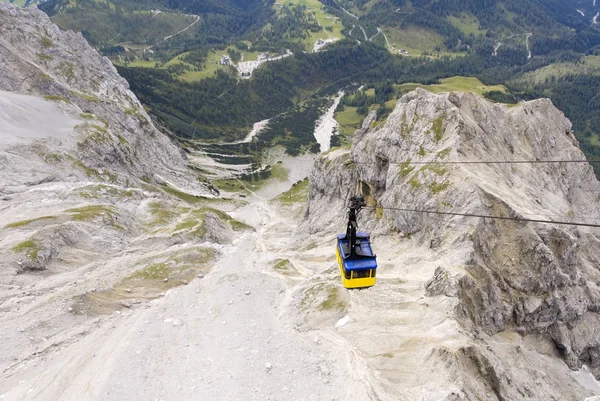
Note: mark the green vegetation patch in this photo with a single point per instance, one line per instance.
(587, 65)
(467, 23)
(106, 214)
(417, 40)
(323, 297)
(94, 173)
(436, 126)
(282, 265)
(174, 266)
(438, 187)
(349, 120)
(333, 300)
(444, 153)
(296, 194)
(29, 247)
(415, 183)
(98, 135)
(23, 223)
(224, 217)
(163, 214)
(46, 41)
(89, 98)
(102, 190)
(53, 158)
(189, 198)
(455, 84)
(45, 77)
(44, 57)
(57, 98)
(436, 168)
(405, 168)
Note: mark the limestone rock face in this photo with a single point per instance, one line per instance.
(511, 276)
(98, 209)
(115, 133)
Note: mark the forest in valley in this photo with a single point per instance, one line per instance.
(524, 45)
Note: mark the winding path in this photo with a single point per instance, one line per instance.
(495, 53)
(527, 36)
(175, 34)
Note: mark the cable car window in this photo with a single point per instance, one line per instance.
(373, 271)
(361, 273)
(347, 274)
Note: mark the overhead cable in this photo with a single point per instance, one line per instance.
(408, 162)
(492, 217)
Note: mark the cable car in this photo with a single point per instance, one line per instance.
(356, 260)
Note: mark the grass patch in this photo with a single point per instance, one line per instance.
(436, 168)
(45, 77)
(89, 98)
(279, 173)
(93, 173)
(282, 265)
(52, 158)
(224, 217)
(189, 198)
(349, 120)
(467, 23)
(46, 41)
(44, 57)
(405, 168)
(296, 194)
(98, 136)
(415, 183)
(333, 300)
(30, 248)
(161, 214)
(324, 297)
(101, 191)
(131, 112)
(57, 98)
(416, 40)
(95, 212)
(444, 153)
(438, 187)
(588, 65)
(437, 128)
(173, 266)
(455, 84)
(23, 223)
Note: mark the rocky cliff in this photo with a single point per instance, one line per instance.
(524, 295)
(99, 211)
(114, 133)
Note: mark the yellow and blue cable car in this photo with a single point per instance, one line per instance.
(356, 260)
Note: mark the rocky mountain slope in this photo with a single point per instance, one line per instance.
(122, 275)
(99, 210)
(495, 309)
